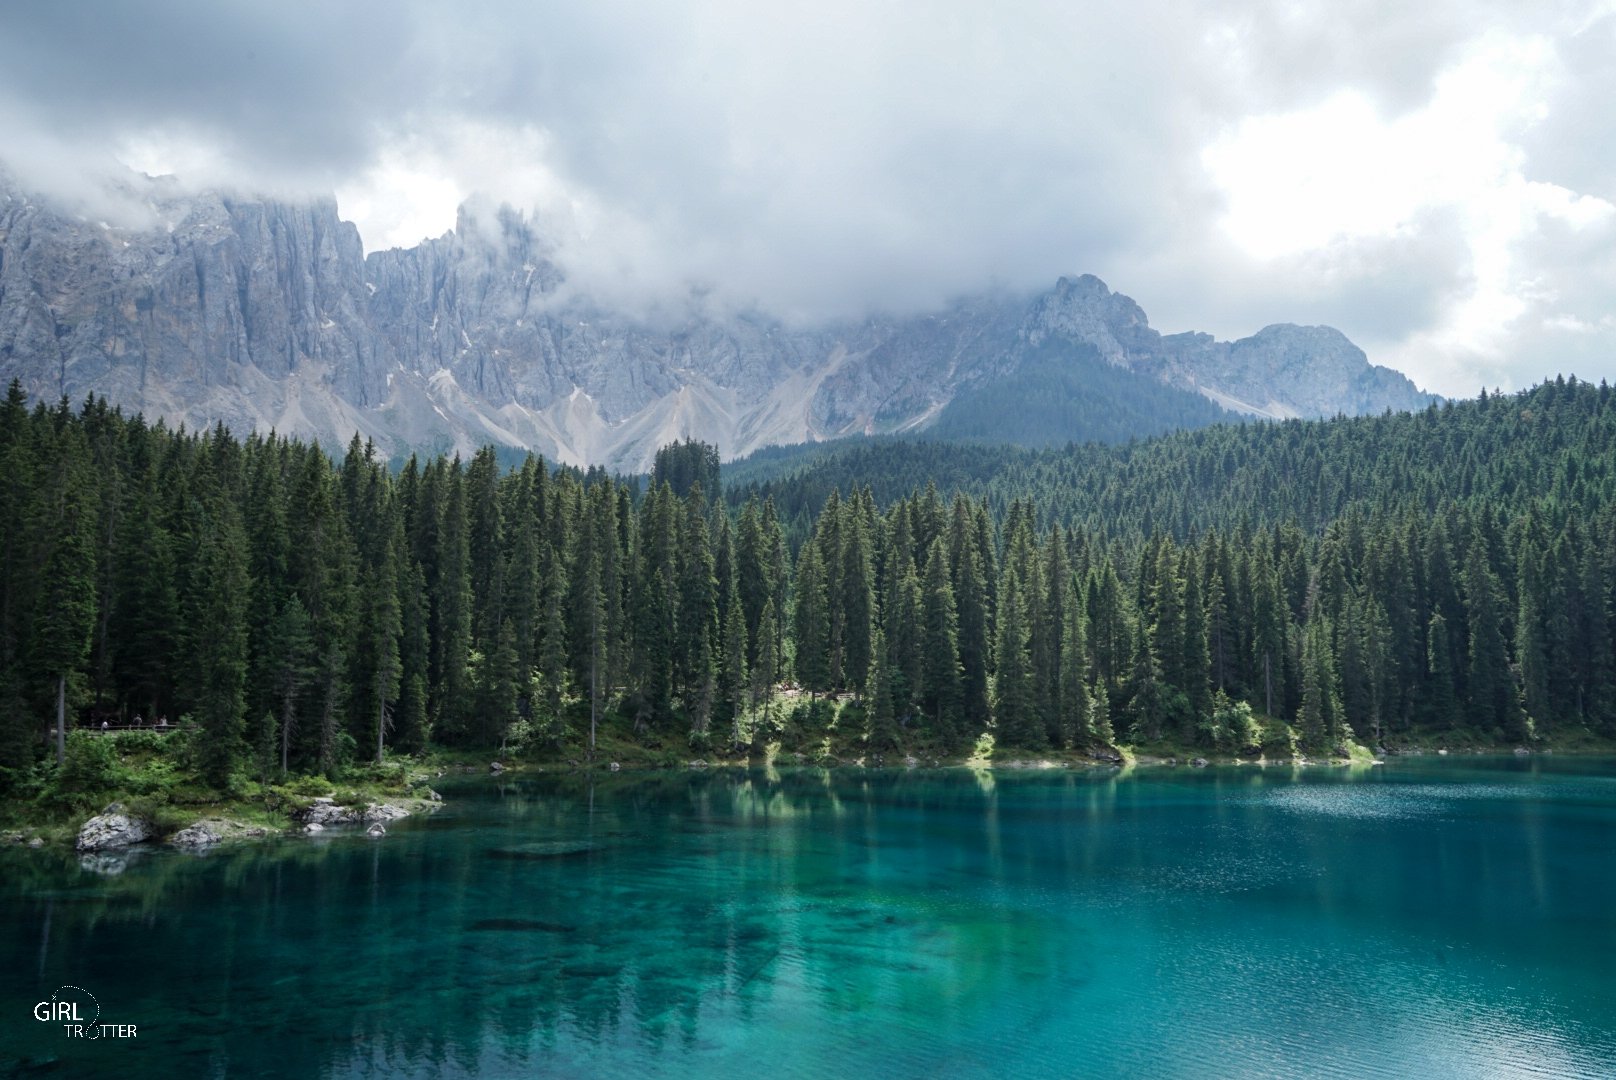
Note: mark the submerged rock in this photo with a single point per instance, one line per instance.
(496, 767)
(112, 829)
(105, 863)
(376, 829)
(523, 924)
(553, 849)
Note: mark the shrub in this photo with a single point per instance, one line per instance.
(90, 766)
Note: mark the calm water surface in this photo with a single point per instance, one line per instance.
(1428, 918)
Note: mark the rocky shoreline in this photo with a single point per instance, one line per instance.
(117, 829)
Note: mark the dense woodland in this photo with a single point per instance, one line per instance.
(1443, 574)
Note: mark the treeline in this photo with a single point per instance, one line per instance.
(305, 612)
(1553, 447)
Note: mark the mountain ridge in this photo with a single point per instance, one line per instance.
(261, 314)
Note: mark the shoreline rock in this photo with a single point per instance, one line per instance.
(209, 832)
(324, 813)
(112, 828)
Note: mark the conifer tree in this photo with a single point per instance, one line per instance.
(1196, 665)
(735, 681)
(1441, 703)
(218, 618)
(452, 695)
(768, 656)
(1046, 632)
(289, 660)
(654, 641)
(696, 648)
(383, 626)
(411, 720)
(1492, 691)
(973, 620)
(64, 611)
(942, 694)
(812, 622)
(905, 632)
(552, 654)
(881, 726)
(1016, 722)
(1100, 715)
(1531, 652)
(858, 597)
(1073, 707)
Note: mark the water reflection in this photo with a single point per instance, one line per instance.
(692, 921)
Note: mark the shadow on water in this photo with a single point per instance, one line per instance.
(689, 921)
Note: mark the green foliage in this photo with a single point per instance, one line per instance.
(1231, 726)
(90, 767)
(1296, 585)
(1065, 392)
(686, 465)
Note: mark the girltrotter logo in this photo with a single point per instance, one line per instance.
(79, 1013)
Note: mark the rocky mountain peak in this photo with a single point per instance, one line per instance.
(260, 313)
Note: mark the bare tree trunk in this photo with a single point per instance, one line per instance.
(1268, 684)
(381, 725)
(594, 660)
(288, 722)
(61, 719)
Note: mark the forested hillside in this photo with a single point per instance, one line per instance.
(1062, 391)
(1554, 445)
(1447, 574)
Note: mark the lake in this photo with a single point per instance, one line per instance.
(1430, 917)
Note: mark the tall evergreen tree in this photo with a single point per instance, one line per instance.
(1017, 723)
(218, 639)
(942, 694)
(812, 622)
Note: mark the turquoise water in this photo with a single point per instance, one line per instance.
(1427, 918)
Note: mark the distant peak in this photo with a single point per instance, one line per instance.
(1082, 284)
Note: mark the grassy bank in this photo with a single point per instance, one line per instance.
(154, 777)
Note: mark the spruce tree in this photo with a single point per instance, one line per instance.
(1492, 694)
(858, 597)
(64, 611)
(734, 681)
(812, 622)
(768, 656)
(289, 661)
(1017, 723)
(881, 729)
(973, 619)
(942, 695)
(218, 619)
(1073, 707)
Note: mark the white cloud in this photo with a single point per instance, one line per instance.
(1341, 173)
(1436, 179)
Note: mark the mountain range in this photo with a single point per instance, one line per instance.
(209, 307)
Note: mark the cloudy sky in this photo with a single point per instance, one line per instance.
(1437, 179)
